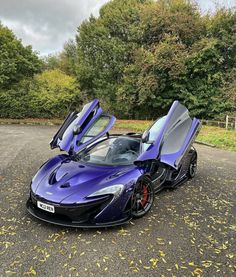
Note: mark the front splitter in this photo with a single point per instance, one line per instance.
(42, 216)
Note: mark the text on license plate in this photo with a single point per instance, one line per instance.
(45, 207)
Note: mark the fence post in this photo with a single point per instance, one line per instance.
(227, 122)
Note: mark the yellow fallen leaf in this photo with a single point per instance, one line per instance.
(191, 263)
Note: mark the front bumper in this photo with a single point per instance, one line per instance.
(82, 215)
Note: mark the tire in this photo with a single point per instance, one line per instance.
(142, 198)
(193, 166)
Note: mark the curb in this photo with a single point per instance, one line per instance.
(30, 123)
(205, 143)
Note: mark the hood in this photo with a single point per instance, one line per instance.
(63, 177)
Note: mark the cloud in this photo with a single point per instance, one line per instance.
(47, 24)
(211, 5)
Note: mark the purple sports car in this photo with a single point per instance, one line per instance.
(106, 179)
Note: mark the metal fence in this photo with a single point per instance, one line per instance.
(229, 123)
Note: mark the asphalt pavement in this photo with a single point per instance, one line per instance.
(191, 231)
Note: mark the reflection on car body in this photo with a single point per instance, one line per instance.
(106, 179)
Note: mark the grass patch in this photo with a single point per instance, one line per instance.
(221, 138)
(132, 125)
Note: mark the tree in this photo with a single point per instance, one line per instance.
(139, 56)
(69, 57)
(105, 47)
(178, 18)
(222, 26)
(155, 78)
(229, 90)
(51, 61)
(16, 61)
(65, 60)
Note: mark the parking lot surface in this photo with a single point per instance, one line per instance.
(189, 232)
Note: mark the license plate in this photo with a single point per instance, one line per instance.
(45, 207)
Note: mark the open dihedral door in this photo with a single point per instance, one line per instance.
(170, 137)
(80, 129)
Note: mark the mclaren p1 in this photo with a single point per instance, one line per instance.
(104, 179)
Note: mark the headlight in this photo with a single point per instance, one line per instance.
(116, 190)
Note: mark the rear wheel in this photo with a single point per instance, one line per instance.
(193, 166)
(142, 198)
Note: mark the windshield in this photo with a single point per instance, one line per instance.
(113, 151)
(154, 131)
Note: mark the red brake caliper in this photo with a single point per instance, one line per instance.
(145, 195)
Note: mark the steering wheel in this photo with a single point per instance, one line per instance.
(132, 152)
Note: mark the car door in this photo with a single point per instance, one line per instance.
(170, 137)
(80, 129)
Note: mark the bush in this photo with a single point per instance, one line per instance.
(48, 95)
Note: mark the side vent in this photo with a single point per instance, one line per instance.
(66, 185)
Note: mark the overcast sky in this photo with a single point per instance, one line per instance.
(47, 24)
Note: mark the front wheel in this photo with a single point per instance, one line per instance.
(142, 198)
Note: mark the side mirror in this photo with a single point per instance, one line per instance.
(77, 130)
(145, 137)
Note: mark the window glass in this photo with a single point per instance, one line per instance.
(96, 128)
(156, 127)
(113, 151)
(154, 131)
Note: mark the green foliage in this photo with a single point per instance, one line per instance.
(105, 47)
(222, 26)
(64, 61)
(16, 61)
(178, 18)
(52, 61)
(229, 90)
(53, 94)
(139, 56)
(155, 71)
(14, 103)
(50, 94)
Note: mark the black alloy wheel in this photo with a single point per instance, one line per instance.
(193, 166)
(142, 198)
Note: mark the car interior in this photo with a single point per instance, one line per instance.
(113, 151)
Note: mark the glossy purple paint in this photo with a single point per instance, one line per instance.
(83, 180)
(63, 180)
(154, 150)
(70, 142)
(174, 159)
